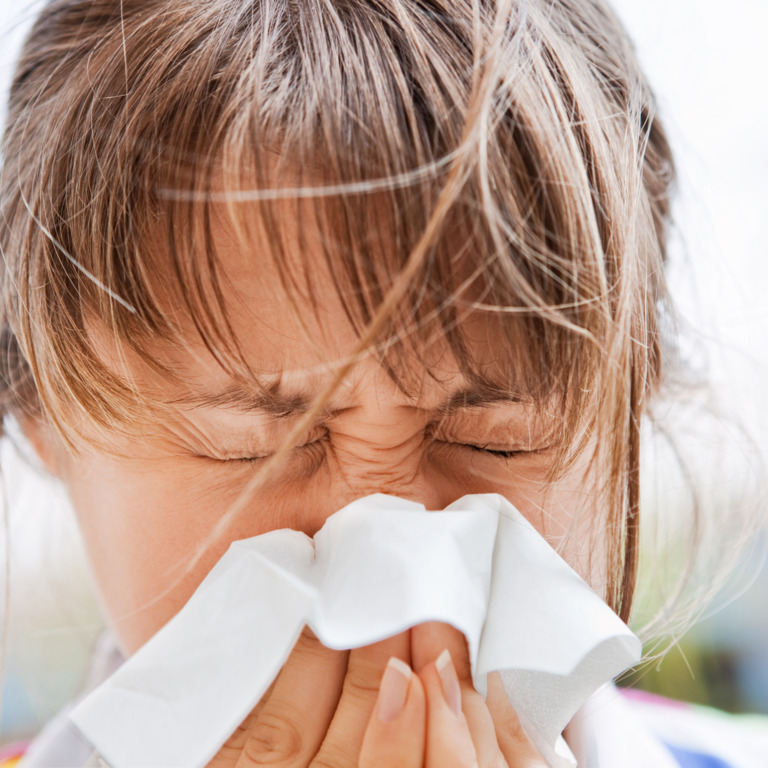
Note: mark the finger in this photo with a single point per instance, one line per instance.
(289, 728)
(513, 742)
(343, 742)
(229, 753)
(395, 735)
(430, 641)
(449, 743)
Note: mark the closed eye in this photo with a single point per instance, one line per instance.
(495, 451)
(459, 450)
(310, 449)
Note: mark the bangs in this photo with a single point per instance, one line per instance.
(435, 185)
(472, 156)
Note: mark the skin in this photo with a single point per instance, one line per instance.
(148, 506)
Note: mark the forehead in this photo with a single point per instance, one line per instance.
(289, 315)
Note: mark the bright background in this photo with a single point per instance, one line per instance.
(708, 63)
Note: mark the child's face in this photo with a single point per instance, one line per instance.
(146, 514)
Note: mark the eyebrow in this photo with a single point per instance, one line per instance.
(479, 395)
(281, 404)
(270, 400)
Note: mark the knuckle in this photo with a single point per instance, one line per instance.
(508, 722)
(322, 762)
(332, 757)
(230, 751)
(362, 682)
(309, 645)
(274, 740)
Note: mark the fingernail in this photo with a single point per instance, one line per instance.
(393, 690)
(450, 682)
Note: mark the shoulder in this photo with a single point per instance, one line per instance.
(702, 737)
(60, 743)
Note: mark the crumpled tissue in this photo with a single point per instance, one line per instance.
(377, 567)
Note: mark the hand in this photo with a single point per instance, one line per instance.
(462, 730)
(356, 709)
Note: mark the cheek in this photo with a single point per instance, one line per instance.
(521, 480)
(151, 526)
(569, 512)
(130, 526)
(575, 522)
(149, 530)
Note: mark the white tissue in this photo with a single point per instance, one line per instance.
(377, 567)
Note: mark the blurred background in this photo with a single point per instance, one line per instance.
(707, 62)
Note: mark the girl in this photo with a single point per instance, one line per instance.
(262, 258)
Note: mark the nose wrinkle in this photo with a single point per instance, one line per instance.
(415, 489)
(386, 482)
(395, 469)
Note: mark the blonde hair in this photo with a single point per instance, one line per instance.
(502, 155)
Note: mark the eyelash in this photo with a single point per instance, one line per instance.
(312, 446)
(494, 452)
(317, 444)
(463, 448)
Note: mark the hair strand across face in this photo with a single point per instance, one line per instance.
(493, 156)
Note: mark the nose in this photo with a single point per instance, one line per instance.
(381, 445)
(386, 462)
(352, 476)
(416, 488)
